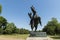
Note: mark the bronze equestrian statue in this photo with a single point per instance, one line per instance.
(35, 20)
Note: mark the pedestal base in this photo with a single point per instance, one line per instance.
(38, 38)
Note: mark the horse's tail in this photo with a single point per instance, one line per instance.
(40, 21)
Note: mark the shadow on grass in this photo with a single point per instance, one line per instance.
(55, 37)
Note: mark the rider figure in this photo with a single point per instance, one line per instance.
(34, 15)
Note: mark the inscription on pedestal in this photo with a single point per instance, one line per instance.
(38, 34)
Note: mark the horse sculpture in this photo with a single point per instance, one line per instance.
(35, 20)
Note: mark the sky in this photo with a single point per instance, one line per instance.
(16, 11)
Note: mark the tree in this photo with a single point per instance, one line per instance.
(10, 28)
(0, 9)
(57, 29)
(3, 22)
(17, 31)
(21, 31)
(51, 26)
(24, 31)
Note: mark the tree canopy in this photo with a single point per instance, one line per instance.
(52, 27)
(10, 28)
(3, 21)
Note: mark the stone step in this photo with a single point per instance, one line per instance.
(39, 38)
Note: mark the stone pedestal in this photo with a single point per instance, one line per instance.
(38, 36)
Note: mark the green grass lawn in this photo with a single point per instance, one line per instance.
(22, 36)
(56, 37)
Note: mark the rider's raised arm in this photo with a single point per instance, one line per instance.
(33, 10)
